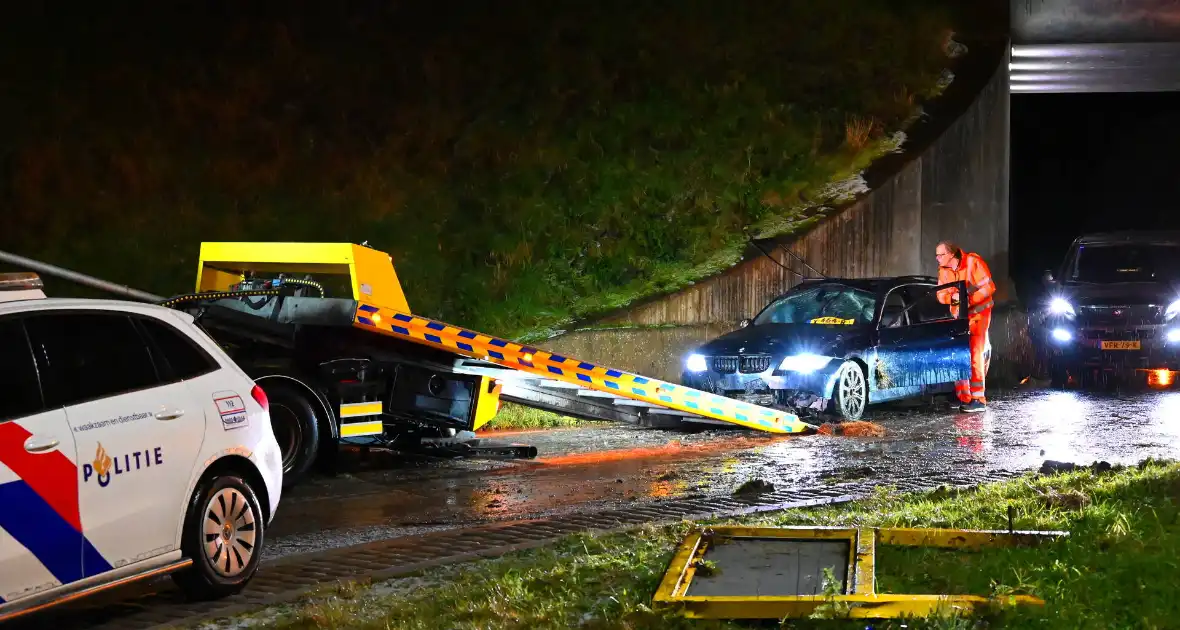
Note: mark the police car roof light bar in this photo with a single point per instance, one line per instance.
(20, 281)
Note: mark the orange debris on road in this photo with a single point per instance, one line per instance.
(852, 429)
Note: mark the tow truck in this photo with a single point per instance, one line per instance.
(326, 331)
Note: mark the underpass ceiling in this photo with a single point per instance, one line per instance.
(1062, 46)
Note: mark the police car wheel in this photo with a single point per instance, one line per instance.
(223, 532)
(850, 394)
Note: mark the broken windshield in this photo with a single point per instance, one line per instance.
(833, 301)
(1102, 264)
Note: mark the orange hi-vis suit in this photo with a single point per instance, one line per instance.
(980, 289)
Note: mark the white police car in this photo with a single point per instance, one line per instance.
(130, 446)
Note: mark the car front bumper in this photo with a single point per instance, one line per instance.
(1146, 347)
(771, 387)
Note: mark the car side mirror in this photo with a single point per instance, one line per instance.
(1048, 278)
(743, 323)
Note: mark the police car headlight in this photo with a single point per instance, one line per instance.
(696, 363)
(1061, 306)
(1173, 310)
(805, 363)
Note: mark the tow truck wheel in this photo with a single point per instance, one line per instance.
(296, 428)
(223, 531)
(850, 394)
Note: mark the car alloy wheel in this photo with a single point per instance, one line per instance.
(851, 390)
(230, 532)
(224, 529)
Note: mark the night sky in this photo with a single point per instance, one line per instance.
(1088, 162)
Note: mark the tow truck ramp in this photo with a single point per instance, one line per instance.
(578, 388)
(577, 401)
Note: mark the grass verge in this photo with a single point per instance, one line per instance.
(1116, 569)
(514, 416)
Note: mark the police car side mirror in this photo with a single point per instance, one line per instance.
(743, 323)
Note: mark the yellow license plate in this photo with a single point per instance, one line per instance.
(1120, 345)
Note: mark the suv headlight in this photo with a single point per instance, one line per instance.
(1061, 306)
(804, 363)
(696, 363)
(1173, 310)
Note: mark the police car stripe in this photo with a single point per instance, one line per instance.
(43, 502)
(51, 475)
(92, 561)
(55, 543)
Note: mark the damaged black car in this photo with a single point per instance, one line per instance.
(835, 346)
(1112, 313)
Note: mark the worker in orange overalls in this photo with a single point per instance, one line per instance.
(954, 265)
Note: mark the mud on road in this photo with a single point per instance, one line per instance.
(608, 466)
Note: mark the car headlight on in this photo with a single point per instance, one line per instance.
(1061, 306)
(804, 363)
(1174, 335)
(696, 363)
(1173, 310)
(1062, 335)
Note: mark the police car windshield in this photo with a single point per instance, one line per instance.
(1102, 264)
(832, 300)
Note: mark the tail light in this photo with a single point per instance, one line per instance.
(260, 396)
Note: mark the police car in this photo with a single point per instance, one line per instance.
(131, 446)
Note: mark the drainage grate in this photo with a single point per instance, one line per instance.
(286, 578)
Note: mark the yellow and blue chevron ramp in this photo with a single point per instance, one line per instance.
(580, 373)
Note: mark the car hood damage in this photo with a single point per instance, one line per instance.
(787, 339)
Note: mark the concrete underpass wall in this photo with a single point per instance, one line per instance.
(956, 187)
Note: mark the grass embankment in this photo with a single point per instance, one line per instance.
(520, 417)
(1116, 570)
(525, 163)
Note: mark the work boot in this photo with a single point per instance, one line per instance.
(975, 406)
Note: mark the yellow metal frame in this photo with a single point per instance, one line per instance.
(861, 596)
(370, 271)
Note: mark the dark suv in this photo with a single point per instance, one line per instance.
(1113, 310)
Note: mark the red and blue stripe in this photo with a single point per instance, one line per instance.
(40, 509)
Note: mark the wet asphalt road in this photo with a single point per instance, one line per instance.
(606, 465)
